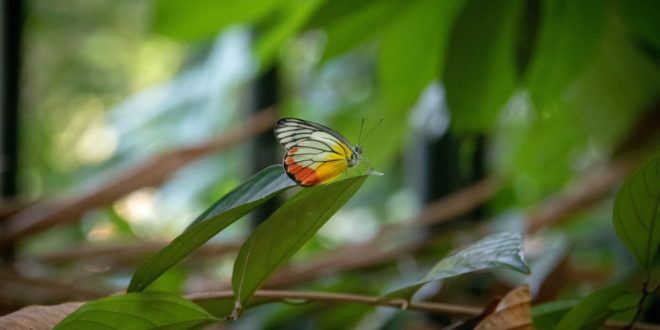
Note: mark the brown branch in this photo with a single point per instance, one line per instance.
(459, 310)
(17, 291)
(130, 251)
(317, 296)
(46, 214)
(460, 202)
(586, 192)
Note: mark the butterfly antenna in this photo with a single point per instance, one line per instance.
(373, 128)
(360, 136)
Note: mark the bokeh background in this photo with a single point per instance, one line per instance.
(123, 120)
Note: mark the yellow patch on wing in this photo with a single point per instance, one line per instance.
(330, 170)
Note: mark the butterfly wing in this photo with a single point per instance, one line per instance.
(314, 153)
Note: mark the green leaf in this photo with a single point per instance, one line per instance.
(502, 250)
(481, 71)
(643, 17)
(349, 23)
(592, 311)
(292, 18)
(413, 49)
(637, 212)
(547, 315)
(567, 39)
(146, 310)
(281, 235)
(202, 19)
(617, 85)
(253, 192)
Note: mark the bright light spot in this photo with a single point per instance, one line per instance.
(138, 207)
(101, 231)
(402, 206)
(86, 112)
(97, 143)
(158, 59)
(350, 226)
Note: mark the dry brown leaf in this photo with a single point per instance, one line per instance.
(514, 312)
(38, 317)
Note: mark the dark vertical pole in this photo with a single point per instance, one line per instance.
(10, 43)
(264, 152)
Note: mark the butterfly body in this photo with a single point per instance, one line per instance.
(315, 153)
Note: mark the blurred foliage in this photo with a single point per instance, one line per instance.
(554, 88)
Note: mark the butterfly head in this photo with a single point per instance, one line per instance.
(355, 156)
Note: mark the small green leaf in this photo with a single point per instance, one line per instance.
(502, 250)
(637, 212)
(567, 39)
(592, 311)
(281, 235)
(202, 19)
(146, 310)
(253, 192)
(547, 315)
(413, 49)
(481, 71)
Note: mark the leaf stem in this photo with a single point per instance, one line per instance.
(640, 304)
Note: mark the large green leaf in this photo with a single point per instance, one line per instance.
(145, 310)
(281, 235)
(637, 212)
(413, 49)
(567, 38)
(594, 309)
(502, 250)
(349, 23)
(643, 17)
(253, 192)
(617, 85)
(202, 19)
(480, 71)
(288, 20)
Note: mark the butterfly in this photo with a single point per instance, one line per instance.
(315, 153)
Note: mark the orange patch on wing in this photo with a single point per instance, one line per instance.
(305, 176)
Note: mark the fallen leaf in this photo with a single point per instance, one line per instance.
(38, 317)
(514, 311)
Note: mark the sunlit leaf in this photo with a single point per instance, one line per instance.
(146, 310)
(512, 312)
(593, 310)
(567, 38)
(480, 70)
(413, 49)
(637, 212)
(253, 192)
(203, 19)
(281, 235)
(502, 250)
